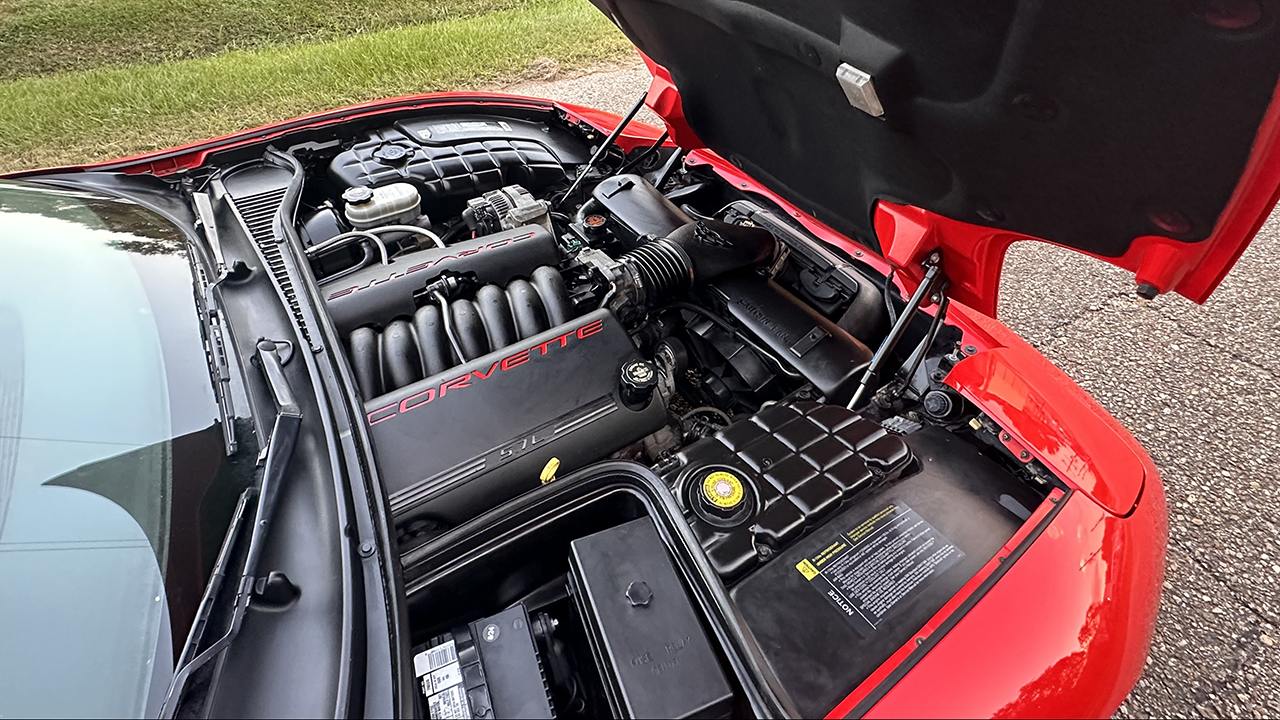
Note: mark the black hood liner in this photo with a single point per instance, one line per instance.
(1087, 123)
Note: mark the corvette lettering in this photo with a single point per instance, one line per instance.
(429, 264)
(462, 382)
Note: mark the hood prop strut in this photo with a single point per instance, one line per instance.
(604, 147)
(931, 287)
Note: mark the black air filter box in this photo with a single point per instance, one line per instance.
(641, 210)
(824, 353)
(653, 654)
(462, 441)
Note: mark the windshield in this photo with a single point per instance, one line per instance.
(115, 487)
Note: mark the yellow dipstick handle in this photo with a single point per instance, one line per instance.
(549, 470)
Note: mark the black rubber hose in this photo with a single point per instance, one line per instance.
(454, 232)
(923, 349)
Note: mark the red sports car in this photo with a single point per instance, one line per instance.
(469, 406)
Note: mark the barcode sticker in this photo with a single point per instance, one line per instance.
(450, 704)
(434, 658)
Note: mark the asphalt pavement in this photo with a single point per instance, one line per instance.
(1200, 388)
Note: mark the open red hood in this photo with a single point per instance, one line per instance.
(1145, 132)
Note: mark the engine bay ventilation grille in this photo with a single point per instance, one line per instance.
(256, 213)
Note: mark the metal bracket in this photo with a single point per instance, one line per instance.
(860, 88)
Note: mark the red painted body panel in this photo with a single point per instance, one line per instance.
(953, 606)
(1054, 420)
(1065, 631)
(1063, 634)
(664, 100)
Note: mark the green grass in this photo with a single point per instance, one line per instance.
(41, 37)
(111, 112)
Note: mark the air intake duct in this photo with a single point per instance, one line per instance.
(694, 253)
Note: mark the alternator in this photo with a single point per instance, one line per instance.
(506, 208)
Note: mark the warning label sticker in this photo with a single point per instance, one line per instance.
(449, 705)
(870, 570)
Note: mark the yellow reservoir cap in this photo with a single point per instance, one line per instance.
(723, 489)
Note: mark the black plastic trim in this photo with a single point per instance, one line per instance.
(370, 541)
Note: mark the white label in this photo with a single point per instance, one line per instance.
(449, 704)
(471, 126)
(434, 658)
(445, 677)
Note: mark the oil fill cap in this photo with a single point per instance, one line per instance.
(723, 490)
(639, 378)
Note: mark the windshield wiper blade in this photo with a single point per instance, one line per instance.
(213, 319)
(284, 437)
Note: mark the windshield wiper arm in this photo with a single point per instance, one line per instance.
(284, 437)
(220, 569)
(212, 318)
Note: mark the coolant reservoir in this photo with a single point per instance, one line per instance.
(394, 204)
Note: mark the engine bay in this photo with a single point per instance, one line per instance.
(649, 447)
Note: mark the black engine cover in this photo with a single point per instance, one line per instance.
(379, 293)
(458, 157)
(455, 444)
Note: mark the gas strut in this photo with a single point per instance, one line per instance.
(604, 146)
(931, 284)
